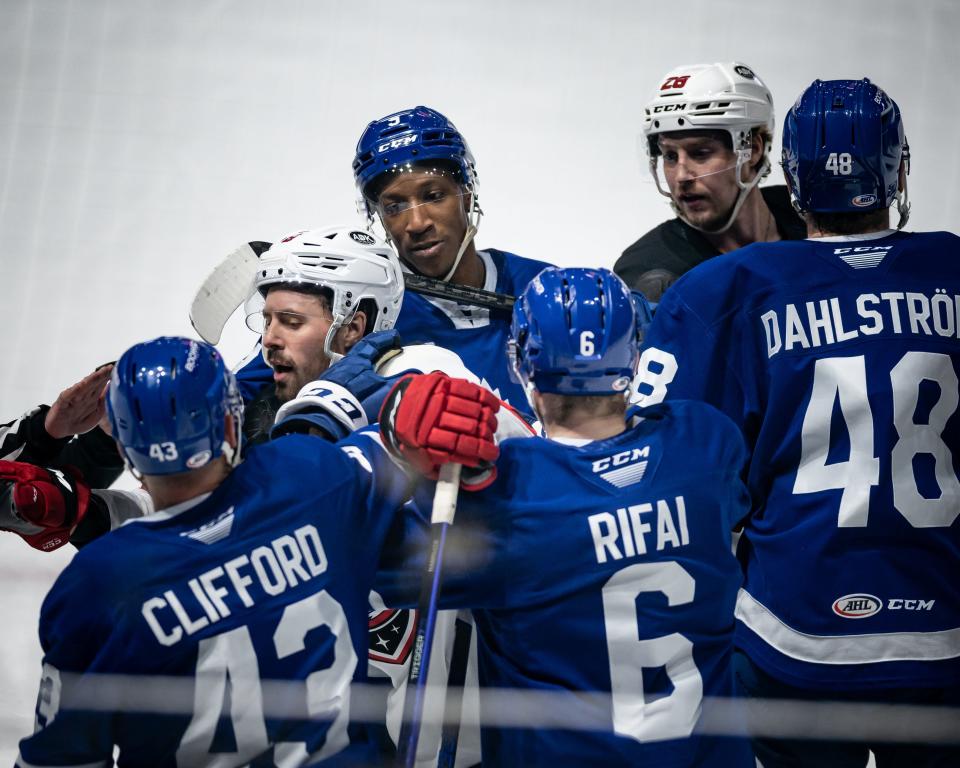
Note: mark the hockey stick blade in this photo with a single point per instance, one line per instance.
(225, 289)
(439, 289)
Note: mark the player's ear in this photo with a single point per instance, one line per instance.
(757, 145)
(351, 332)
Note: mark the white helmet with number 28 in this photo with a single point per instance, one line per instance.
(721, 97)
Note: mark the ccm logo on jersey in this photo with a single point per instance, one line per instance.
(621, 459)
(624, 468)
(861, 606)
(397, 143)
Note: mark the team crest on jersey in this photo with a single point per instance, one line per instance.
(390, 635)
(857, 606)
(623, 468)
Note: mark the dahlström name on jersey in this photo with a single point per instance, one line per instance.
(634, 530)
(825, 321)
(267, 571)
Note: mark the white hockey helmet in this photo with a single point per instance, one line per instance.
(726, 96)
(349, 261)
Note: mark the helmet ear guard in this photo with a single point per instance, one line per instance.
(404, 142)
(843, 148)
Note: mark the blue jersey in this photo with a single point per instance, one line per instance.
(243, 611)
(477, 335)
(616, 577)
(839, 358)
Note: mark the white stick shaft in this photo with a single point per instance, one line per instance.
(445, 497)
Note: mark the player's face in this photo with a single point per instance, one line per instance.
(701, 174)
(425, 215)
(295, 326)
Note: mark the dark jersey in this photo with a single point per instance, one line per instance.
(839, 358)
(656, 260)
(233, 623)
(604, 568)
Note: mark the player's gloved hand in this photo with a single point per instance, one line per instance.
(47, 504)
(347, 396)
(430, 419)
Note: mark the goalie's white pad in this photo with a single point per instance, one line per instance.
(225, 289)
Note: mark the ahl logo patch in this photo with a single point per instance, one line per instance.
(361, 237)
(856, 606)
(862, 201)
(744, 71)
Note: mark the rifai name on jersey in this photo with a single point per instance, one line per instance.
(267, 571)
(634, 530)
(825, 321)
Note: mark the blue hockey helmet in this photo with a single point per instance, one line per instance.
(843, 142)
(167, 402)
(406, 140)
(575, 332)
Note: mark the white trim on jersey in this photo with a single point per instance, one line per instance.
(854, 238)
(845, 649)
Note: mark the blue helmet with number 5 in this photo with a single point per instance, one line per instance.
(167, 402)
(843, 142)
(575, 332)
(404, 141)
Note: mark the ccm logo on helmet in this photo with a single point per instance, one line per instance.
(856, 606)
(397, 143)
(674, 82)
(669, 107)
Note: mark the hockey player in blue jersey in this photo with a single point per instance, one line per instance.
(239, 607)
(838, 357)
(599, 559)
(415, 172)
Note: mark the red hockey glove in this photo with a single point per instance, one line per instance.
(431, 419)
(48, 504)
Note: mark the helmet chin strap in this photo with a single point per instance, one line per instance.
(473, 224)
(743, 157)
(336, 325)
(903, 205)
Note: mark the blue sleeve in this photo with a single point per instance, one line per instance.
(384, 486)
(253, 374)
(686, 357)
(74, 625)
(475, 555)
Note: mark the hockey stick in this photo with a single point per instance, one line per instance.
(444, 508)
(428, 286)
(228, 286)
